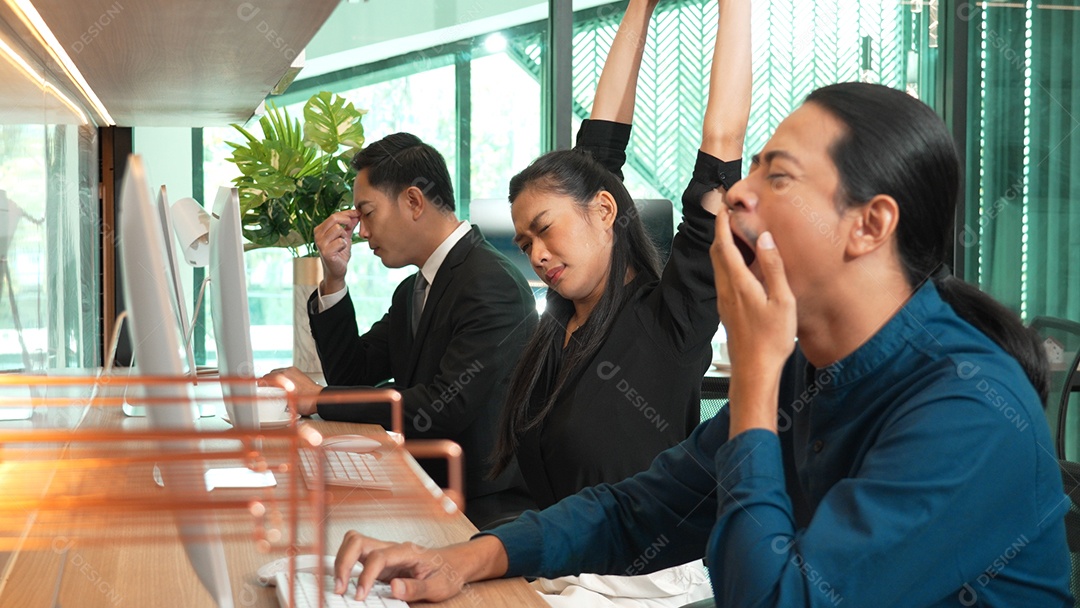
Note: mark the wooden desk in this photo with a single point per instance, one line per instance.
(158, 574)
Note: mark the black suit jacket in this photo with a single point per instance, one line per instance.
(453, 373)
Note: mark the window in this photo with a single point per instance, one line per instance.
(406, 103)
(476, 87)
(49, 247)
(1023, 226)
(797, 47)
(477, 98)
(1022, 223)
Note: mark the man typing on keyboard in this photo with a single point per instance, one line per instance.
(444, 341)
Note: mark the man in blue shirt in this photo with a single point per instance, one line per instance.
(900, 458)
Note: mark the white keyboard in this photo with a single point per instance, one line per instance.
(347, 469)
(308, 591)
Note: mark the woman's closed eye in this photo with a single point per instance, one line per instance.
(527, 245)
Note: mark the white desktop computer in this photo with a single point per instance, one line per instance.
(229, 309)
(142, 257)
(174, 285)
(173, 269)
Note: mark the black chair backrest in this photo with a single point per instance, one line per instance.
(1061, 338)
(714, 395)
(1062, 341)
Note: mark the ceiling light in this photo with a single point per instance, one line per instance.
(39, 79)
(30, 17)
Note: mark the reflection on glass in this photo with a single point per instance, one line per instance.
(11, 215)
(49, 244)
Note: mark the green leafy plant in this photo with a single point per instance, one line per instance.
(292, 180)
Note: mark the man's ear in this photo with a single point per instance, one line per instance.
(413, 200)
(874, 225)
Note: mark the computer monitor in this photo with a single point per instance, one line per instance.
(494, 219)
(142, 256)
(173, 269)
(229, 309)
(174, 284)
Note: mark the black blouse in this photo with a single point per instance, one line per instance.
(640, 394)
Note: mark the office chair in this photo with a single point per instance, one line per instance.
(1070, 475)
(714, 396)
(1061, 338)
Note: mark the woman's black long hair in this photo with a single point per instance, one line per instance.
(896, 145)
(577, 175)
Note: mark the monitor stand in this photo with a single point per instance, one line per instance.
(205, 409)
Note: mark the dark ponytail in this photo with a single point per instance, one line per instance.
(1002, 326)
(574, 174)
(896, 145)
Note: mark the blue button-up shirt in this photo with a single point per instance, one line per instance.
(917, 471)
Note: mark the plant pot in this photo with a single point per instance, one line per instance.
(307, 274)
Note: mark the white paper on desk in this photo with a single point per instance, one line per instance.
(238, 477)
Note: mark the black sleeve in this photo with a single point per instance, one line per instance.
(606, 141)
(491, 312)
(349, 359)
(685, 301)
(491, 316)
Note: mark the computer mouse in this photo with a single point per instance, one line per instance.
(351, 443)
(304, 563)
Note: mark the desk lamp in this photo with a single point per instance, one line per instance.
(191, 224)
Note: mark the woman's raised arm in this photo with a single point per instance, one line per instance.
(617, 88)
(728, 110)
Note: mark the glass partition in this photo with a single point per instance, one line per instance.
(50, 226)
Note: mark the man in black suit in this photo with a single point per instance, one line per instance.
(453, 331)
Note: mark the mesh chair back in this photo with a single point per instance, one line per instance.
(1070, 474)
(1061, 338)
(714, 395)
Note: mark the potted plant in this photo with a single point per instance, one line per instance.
(291, 180)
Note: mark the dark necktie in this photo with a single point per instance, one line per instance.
(419, 288)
